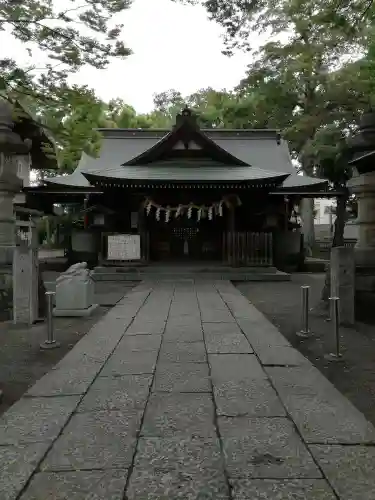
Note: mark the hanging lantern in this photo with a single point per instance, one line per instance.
(210, 213)
(167, 215)
(157, 215)
(190, 212)
(199, 214)
(148, 208)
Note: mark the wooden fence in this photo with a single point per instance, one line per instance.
(323, 247)
(248, 249)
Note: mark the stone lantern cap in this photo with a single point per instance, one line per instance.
(10, 142)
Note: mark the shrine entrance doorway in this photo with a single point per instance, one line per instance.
(185, 240)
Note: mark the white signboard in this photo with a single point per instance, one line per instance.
(124, 247)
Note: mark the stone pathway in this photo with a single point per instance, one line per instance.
(185, 391)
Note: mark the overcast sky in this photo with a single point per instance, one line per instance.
(175, 46)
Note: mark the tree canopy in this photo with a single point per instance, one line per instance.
(307, 76)
(59, 38)
(81, 33)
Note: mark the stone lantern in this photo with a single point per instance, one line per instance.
(362, 184)
(11, 146)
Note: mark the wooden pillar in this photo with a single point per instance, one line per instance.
(142, 231)
(231, 219)
(231, 240)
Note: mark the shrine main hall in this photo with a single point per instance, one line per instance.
(185, 195)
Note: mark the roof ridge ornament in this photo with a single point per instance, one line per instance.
(186, 116)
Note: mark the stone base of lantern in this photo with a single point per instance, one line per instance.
(365, 293)
(363, 186)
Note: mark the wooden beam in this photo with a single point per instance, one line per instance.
(316, 194)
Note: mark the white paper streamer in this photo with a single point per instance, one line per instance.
(178, 211)
(202, 211)
(221, 209)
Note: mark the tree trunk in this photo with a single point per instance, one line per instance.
(308, 228)
(337, 241)
(338, 235)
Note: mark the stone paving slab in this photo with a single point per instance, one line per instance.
(66, 381)
(130, 363)
(211, 315)
(170, 415)
(190, 391)
(120, 393)
(221, 328)
(265, 448)
(146, 328)
(190, 321)
(280, 356)
(262, 334)
(183, 333)
(33, 420)
(17, 465)
(349, 469)
(247, 398)
(235, 368)
(182, 377)
(321, 413)
(139, 343)
(178, 468)
(234, 343)
(77, 485)
(98, 440)
(270, 489)
(183, 352)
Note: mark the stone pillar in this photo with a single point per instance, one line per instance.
(363, 186)
(11, 145)
(343, 282)
(7, 238)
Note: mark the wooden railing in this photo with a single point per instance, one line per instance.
(248, 249)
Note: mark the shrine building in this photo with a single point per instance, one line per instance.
(188, 195)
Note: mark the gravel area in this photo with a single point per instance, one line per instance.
(22, 362)
(355, 375)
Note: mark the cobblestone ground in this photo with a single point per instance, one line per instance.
(185, 391)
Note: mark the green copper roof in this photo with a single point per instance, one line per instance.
(186, 174)
(262, 154)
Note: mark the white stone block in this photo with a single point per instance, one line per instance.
(75, 294)
(75, 290)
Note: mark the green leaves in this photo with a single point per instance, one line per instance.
(82, 33)
(69, 35)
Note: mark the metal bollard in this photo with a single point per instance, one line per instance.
(50, 343)
(305, 331)
(335, 356)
